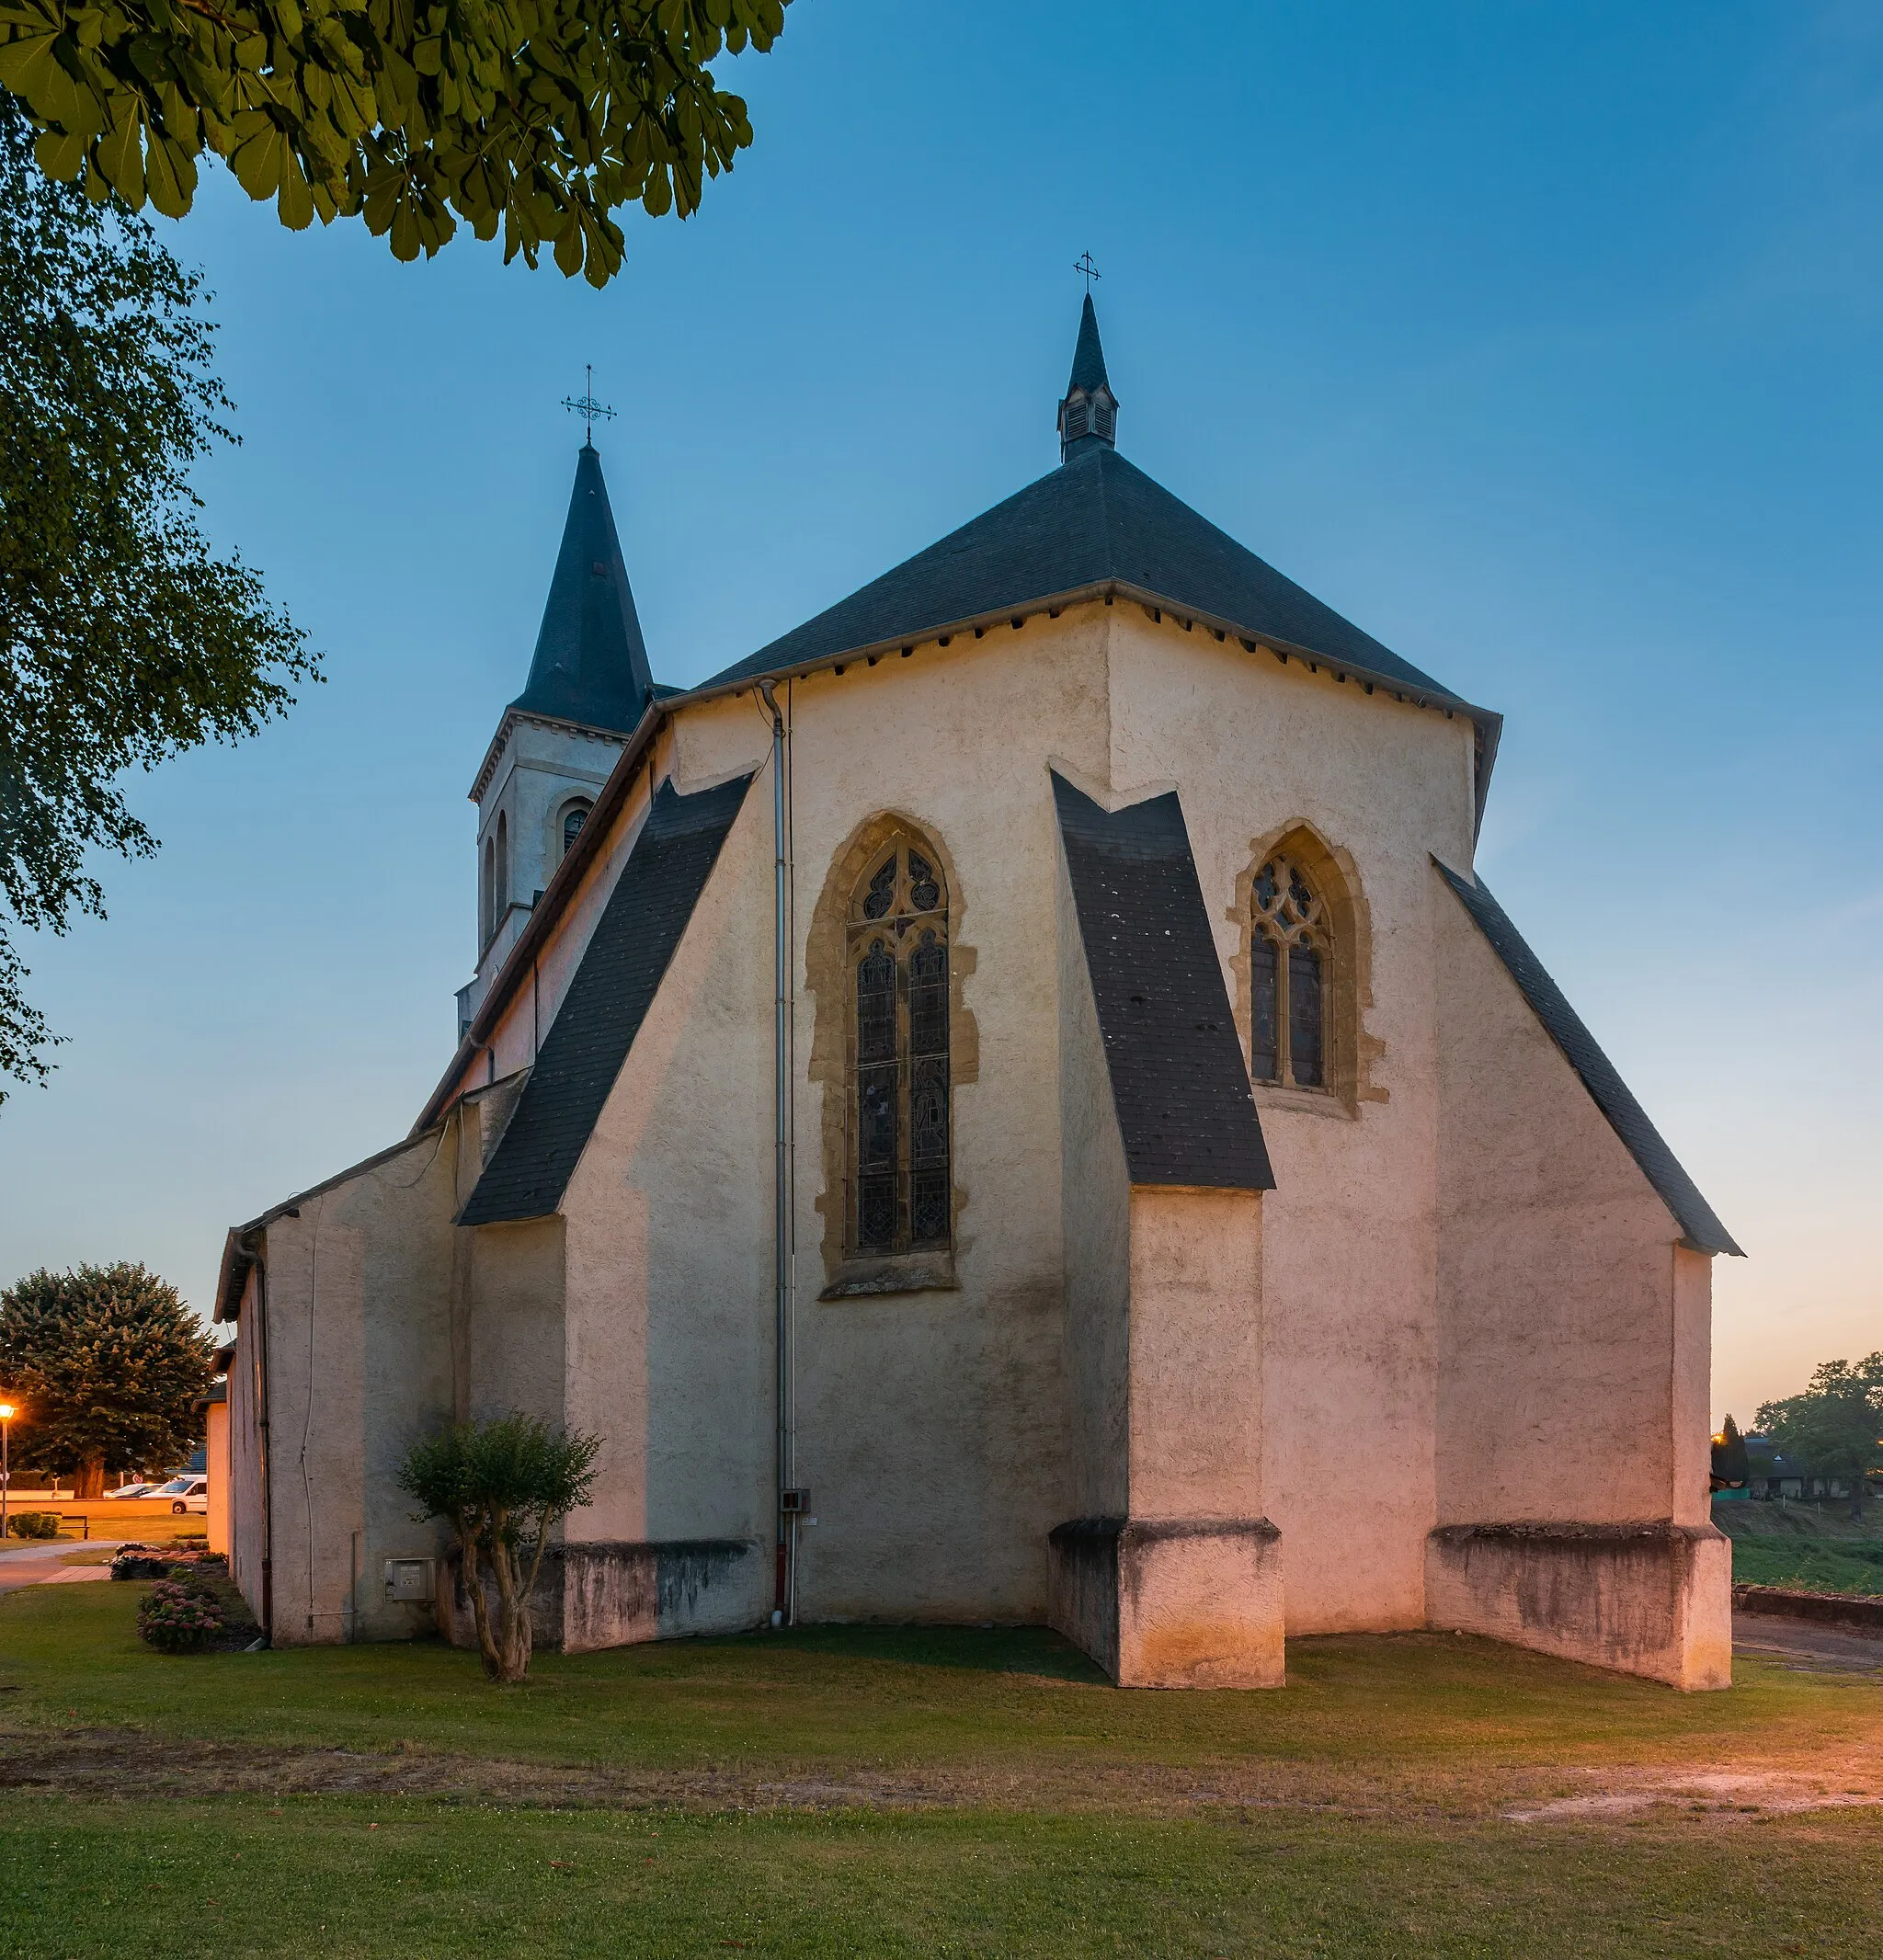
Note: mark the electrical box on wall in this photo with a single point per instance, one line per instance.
(411, 1581)
(793, 1500)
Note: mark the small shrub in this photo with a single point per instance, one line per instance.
(34, 1524)
(178, 1618)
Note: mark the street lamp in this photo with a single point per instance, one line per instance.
(8, 1411)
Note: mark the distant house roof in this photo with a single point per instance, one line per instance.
(1699, 1223)
(607, 1001)
(1096, 520)
(591, 664)
(1178, 1084)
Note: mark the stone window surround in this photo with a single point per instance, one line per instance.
(1351, 1050)
(849, 1274)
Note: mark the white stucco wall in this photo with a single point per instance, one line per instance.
(357, 1303)
(1349, 1245)
(1557, 1334)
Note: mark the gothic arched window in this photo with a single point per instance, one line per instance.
(900, 1196)
(500, 883)
(486, 897)
(574, 817)
(1290, 971)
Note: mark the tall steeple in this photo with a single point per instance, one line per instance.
(591, 664)
(1088, 415)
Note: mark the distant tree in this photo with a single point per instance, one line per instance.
(108, 1365)
(1729, 1463)
(1836, 1425)
(502, 1487)
(124, 639)
(540, 115)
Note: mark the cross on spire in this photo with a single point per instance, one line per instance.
(589, 409)
(1084, 263)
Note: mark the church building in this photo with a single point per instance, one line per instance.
(1010, 1104)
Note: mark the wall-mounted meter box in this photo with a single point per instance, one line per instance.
(411, 1581)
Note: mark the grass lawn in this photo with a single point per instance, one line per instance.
(1810, 1547)
(864, 1792)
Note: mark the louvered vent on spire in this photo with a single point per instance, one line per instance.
(1088, 415)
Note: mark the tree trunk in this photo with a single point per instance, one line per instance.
(514, 1629)
(88, 1484)
(480, 1611)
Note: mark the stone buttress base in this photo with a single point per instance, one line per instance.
(1172, 1603)
(602, 1595)
(1653, 1599)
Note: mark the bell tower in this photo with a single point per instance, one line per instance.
(590, 685)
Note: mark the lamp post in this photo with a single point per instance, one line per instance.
(7, 1412)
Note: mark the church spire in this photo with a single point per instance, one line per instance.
(1088, 415)
(591, 664)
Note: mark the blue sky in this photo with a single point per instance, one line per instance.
(1542, 341)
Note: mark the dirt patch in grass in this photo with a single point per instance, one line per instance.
(102, 1762)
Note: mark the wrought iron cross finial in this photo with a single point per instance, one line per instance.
(1084, 263)
(589, 409)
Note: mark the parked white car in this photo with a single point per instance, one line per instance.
(185, 1493)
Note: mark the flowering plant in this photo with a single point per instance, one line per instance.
(177, 1618)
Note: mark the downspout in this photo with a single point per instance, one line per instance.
(784, 1598)
(261, 1439)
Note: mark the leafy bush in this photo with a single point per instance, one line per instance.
(178, 1616)
(34, 1524)
(502, 1487)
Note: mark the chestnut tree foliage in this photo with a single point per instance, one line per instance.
(107, 1364)
(538, 117)
(124, 638)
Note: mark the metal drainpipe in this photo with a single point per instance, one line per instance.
(261, 1440)
(784, 1600)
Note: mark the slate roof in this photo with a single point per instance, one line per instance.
(608, 999)
(1698, 1222)
(591, 664)
(1179, 1082)
(1096, 518)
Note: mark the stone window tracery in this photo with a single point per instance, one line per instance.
(900, 1197)
(1290, 959)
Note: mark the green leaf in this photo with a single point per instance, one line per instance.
(121, 154)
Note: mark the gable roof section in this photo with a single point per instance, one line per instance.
(1096, 520)
(622, 969)
(1178, 1084)
(1700, 1224)
(591, 664)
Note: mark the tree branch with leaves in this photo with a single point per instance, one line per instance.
(124, 637)
(502, 1487)
(538, 117)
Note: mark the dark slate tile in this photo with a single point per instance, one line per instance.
(607, 1001)
(1095, 517)
(1694, 1216)
(1179, 1082)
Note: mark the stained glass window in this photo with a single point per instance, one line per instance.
(1289, 947)
(902, 1196)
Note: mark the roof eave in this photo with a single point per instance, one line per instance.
(1159, 604)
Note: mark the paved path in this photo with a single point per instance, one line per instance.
(37, 1563)
(1807, 1643)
